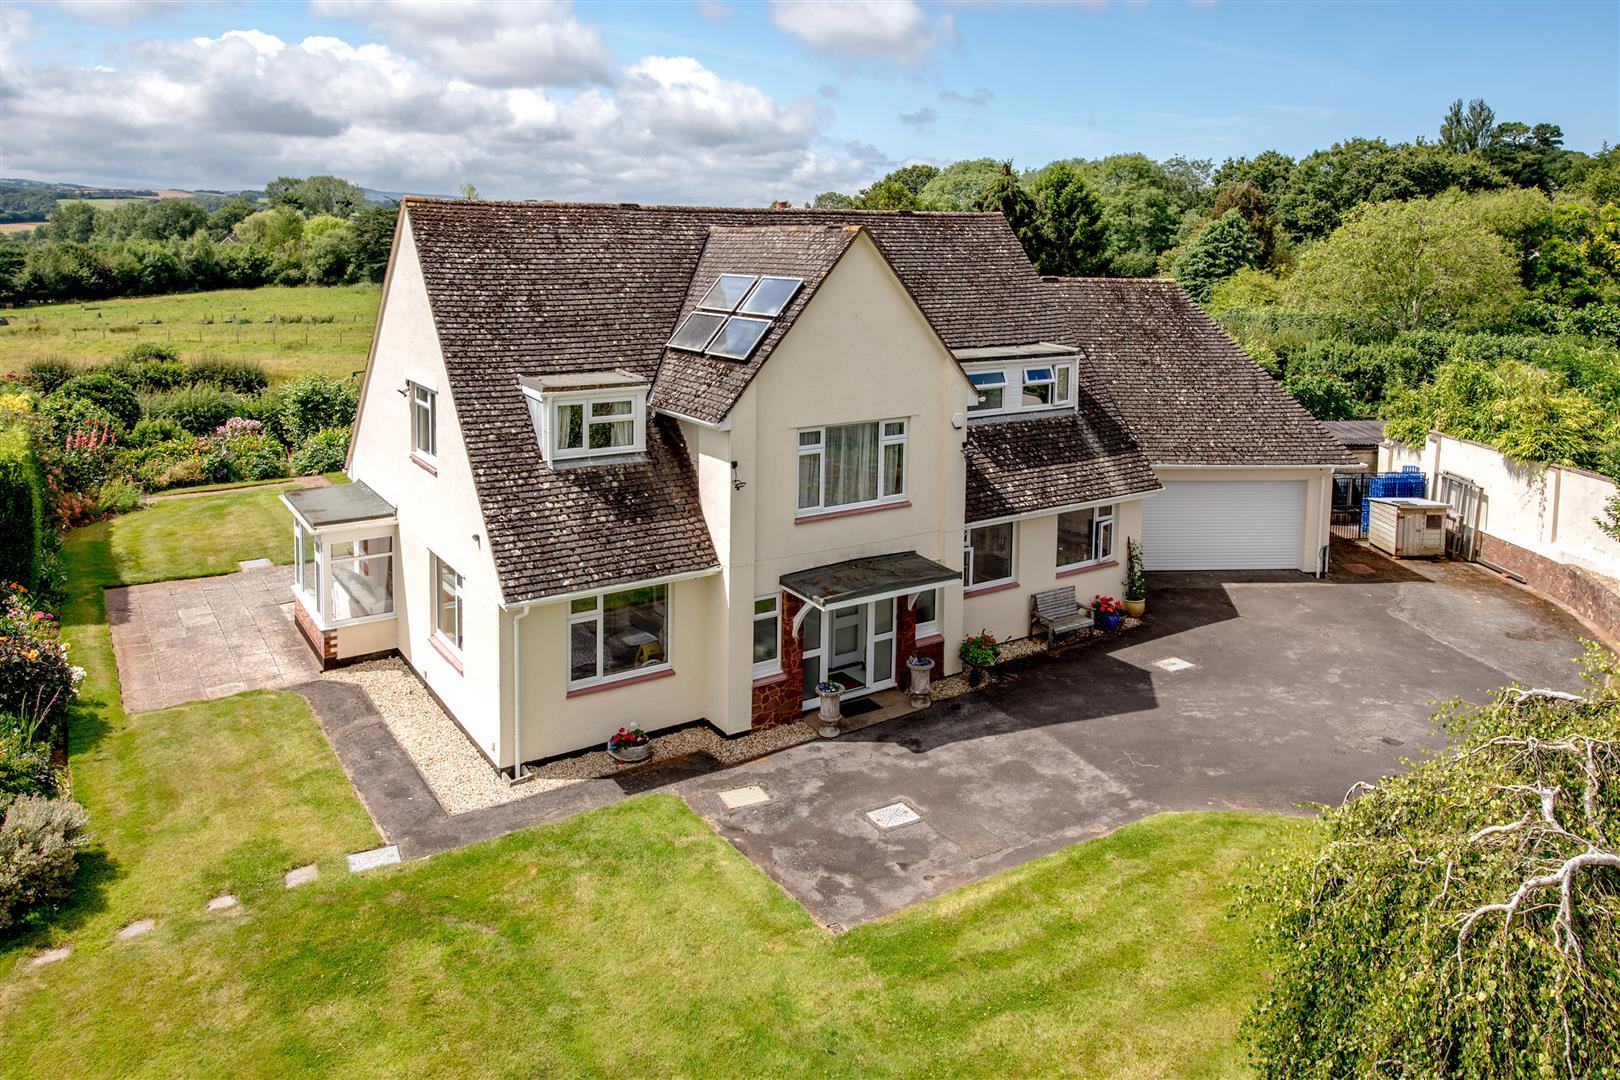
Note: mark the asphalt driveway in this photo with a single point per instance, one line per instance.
(1297, 689)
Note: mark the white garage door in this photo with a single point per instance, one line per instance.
(1224, 525)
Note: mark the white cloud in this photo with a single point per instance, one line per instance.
(894, 30)
(978, 99)
(238, 109)
(715, 10)
(921, 118)
(488, 42)
(117, 12)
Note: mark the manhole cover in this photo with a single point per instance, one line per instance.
(1172, 663)
(893, 816)
(737, 798)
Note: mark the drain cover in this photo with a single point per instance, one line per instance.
(1172, 663)
(893, 816)
(737, 798)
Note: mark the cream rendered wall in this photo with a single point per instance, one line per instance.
(1005, 611)
(438, 513)
(1318, 499)
(1547, 509)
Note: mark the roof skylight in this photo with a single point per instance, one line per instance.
(714, 329)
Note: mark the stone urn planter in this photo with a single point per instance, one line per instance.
(1135, 608)
(827, 719)
(629, 745)
(922, 672)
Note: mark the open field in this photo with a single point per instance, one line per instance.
(271, 324)
(19, 226)
(628, 941)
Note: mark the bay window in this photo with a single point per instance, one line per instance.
(1085, 536)
(987, 555)
(362, 577)
(851, 465)
(767, 635)
(616, 634)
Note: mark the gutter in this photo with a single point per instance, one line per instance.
(722, 425)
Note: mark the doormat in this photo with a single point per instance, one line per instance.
(858, 707)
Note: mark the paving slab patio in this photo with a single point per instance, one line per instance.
(201, 638)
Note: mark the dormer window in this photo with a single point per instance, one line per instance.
(732, 317)
(587, 416)
(1020, 380)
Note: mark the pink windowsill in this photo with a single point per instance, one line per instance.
(931, 639)
(830, 514)
(986, 590)
(663, 673)
(1088, 568)
(444, 650)
(432, 469)
(770, 680)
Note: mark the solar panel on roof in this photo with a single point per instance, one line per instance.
(770, 296)
(726, 293)
(697, 331)
(738, 337)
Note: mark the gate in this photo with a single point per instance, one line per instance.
(1349, 491)
(1462, 519)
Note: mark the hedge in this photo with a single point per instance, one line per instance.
(22, 509)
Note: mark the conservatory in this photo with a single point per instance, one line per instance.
(344, 541)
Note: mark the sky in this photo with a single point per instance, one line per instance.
(744, 103)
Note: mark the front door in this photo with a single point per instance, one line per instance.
(846, 661)
(851, 646)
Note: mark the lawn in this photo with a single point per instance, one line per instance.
(628, 941)
(275, 327)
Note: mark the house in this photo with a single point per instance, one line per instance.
(621, 464)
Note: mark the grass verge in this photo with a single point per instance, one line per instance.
(628, 941)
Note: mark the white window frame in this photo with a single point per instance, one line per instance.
(967, 556)
(424, 398)
(594, 615)
(1014, 376)
(773, 666)
(818, 449)
(931, 627)
(458, 586)
(1100, 516)
(316, 595)
(550, 427)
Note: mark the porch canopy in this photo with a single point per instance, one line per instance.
(865, 581)
(339, 504)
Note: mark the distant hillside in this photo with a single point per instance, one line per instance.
(31, 201)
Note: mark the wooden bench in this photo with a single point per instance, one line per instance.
(1057, 611)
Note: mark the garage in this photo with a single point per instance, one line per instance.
(1224, 525)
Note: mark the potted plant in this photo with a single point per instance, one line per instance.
(921, 668)
(1107, 612)
(831, 712)
(1135, 581)
(979, 652)
(629, 744)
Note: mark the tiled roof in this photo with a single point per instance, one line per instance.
(1356, 433)
(706, 387)
(1026, 466)
(545, 289)
(1189, 395)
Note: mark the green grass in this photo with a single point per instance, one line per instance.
(194, 324)
(179, 538)
(625, 942)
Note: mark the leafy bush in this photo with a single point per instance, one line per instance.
(184, 469)
(246, 377)
(25, 764)
(154, 430)
(39, 844)
(981, 648)
(36, 680)
(111, 393)
(1460, 918)
(323, 452)
(199, 409)
(118, 495)
(240, 450)
(1324, 396)
(49, 372)
(314, 403)
(22, 509)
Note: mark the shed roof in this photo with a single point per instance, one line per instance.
(1356, 434)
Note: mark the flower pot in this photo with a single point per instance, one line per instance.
(831, 713)
(922, 670)
(1110, 621)
(629, 753)
(1136, 608)
(977, 673)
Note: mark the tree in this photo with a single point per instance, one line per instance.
(887, 194)
(1255, 208)
(1466, 131)
(468, 191)
(279, 229)
(373, 237)
(1323, 394)
(1007, 196)
(1224, 247)
(1068, 222)
(1327, 184)
(959, 186)
(914, 177)
(1459, 917)
(1406, 265)
(1526, 155)
(73, 222)
(832, 200)
(1270, 171)
(223, 220)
